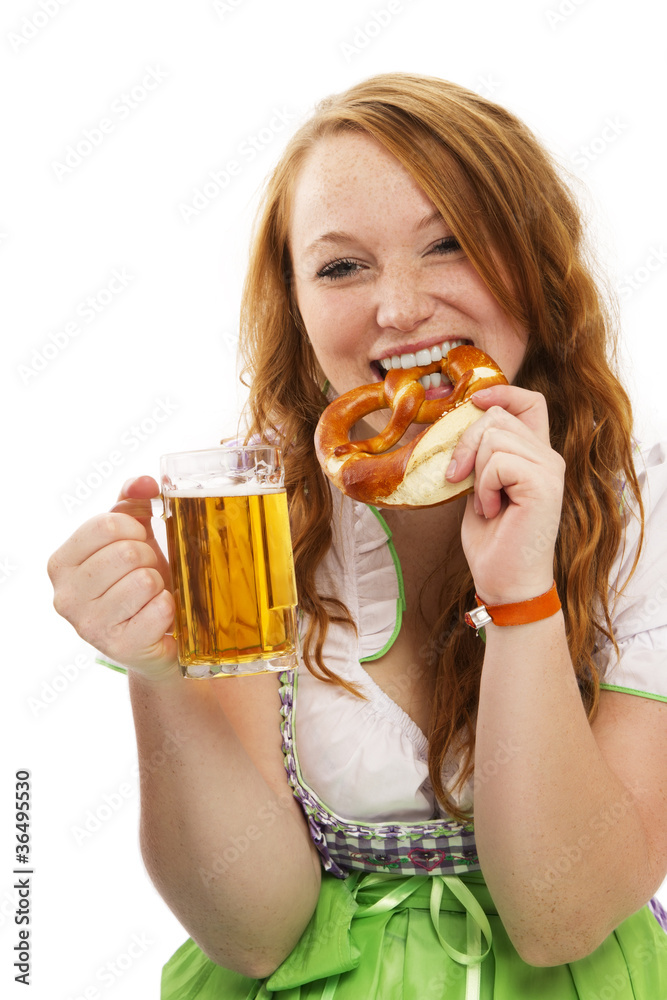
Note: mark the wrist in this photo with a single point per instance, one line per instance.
(514, 594)
(160, 674)
(513, 613)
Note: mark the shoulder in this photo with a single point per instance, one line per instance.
(651, 469)
(638, 590)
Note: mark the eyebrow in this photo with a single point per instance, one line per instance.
(428, 220)
(337, 237)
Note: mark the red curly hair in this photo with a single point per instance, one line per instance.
(497, 187)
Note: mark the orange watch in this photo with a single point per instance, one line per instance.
(521, 613)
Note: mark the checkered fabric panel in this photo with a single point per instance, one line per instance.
(438, 847)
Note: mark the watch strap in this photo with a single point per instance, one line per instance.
(521, 613)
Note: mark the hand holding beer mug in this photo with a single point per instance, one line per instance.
(231, 560)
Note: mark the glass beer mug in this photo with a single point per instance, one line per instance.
(230, 554)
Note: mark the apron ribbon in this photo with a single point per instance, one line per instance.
(330, 948)
(477, 924)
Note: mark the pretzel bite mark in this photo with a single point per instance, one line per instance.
(412, 475)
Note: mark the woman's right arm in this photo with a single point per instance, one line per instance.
(222, 836)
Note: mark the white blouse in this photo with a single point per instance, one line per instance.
(367, 760)
(639, 612)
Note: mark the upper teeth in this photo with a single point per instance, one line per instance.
(424, 357)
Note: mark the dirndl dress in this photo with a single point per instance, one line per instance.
(404, 914)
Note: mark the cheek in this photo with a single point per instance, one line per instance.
(333, 325)
(505, 338)
(507, 349)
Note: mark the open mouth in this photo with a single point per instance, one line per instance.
(427, 356)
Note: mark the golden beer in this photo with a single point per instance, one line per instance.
(233, 582)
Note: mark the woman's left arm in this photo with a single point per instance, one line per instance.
(571, 823)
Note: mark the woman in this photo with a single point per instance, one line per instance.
(406, 215)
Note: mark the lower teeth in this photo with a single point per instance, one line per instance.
(433, 381)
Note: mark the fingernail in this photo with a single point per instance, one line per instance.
(451, 469)
(127, 484)
(476, 506)
(482, 393)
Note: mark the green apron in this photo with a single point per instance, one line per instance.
(377, 936)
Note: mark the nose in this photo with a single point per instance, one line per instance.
(403, 304)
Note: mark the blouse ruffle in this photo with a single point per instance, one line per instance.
(366, 759)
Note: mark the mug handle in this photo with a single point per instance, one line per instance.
(153, 507)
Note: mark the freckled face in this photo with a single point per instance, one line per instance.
(377, 272)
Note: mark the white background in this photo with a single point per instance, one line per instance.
(165, 346)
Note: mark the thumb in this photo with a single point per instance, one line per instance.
(140, 488)
(134, 498)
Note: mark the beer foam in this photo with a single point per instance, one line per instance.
(224, 490)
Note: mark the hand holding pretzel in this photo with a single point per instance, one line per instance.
(413, 475)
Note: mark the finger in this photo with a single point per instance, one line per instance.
(520, 479)
(104, 569)
(499, 439)
(80, 589)
(500, 473)
(93, 535)
(527, 406)
(147, 632)
(127, 597)
(465, 452)
(134, 498)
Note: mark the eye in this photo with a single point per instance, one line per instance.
(337, 269)
(447, 245)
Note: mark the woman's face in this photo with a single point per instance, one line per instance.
(377, 274)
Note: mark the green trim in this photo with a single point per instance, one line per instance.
(642, 694)
(400, 603)
(112, 666)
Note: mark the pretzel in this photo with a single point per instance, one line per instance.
(414, 474)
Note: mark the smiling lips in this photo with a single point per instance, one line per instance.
(426, 356)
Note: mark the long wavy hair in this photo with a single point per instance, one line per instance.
(496, 187)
